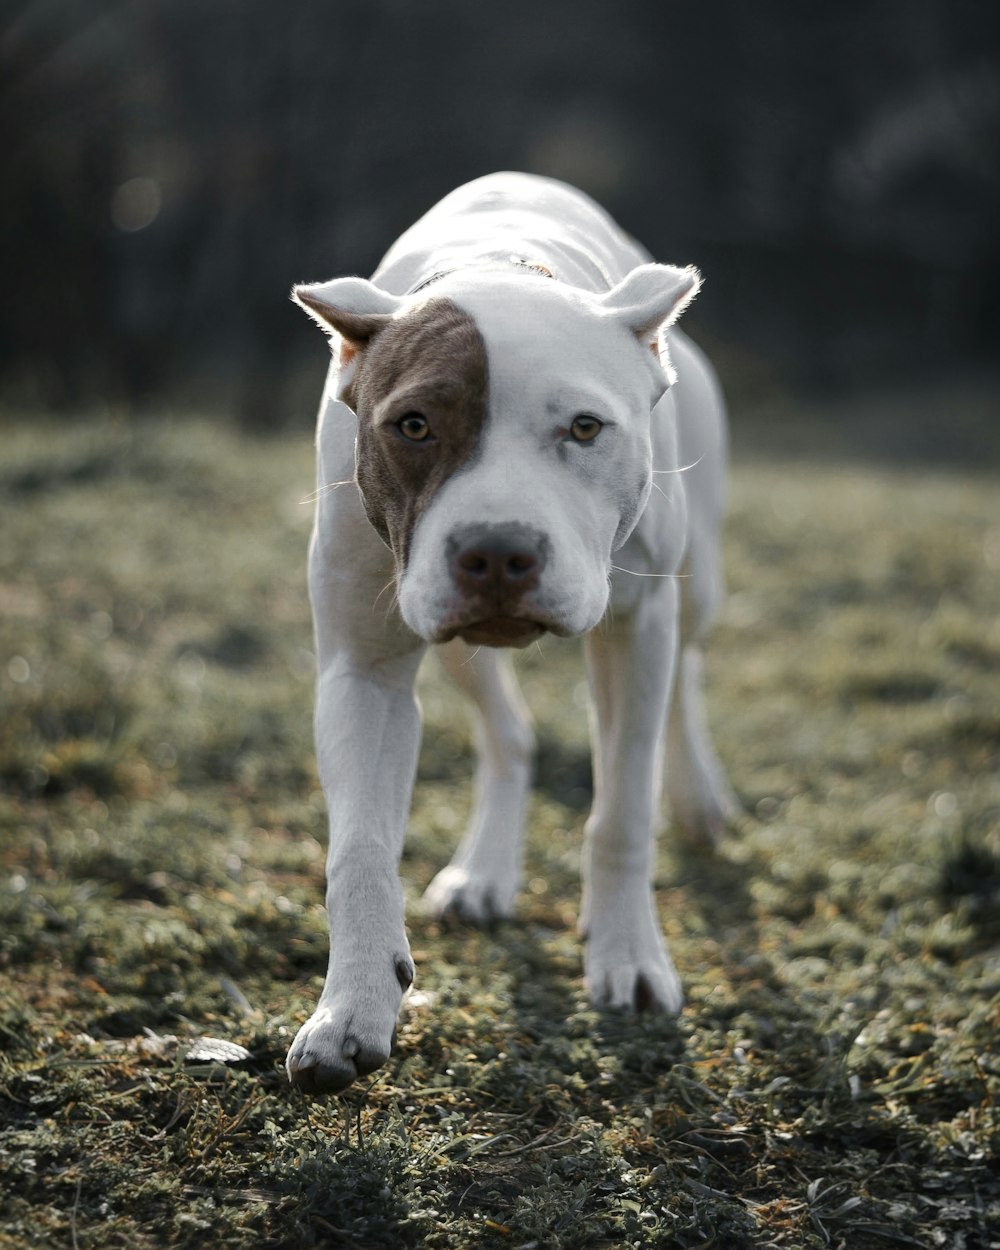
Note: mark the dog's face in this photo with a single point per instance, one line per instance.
(503, 448)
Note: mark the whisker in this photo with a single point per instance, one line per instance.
(472, 656)
(675, 576)
(322, 490)
(390, 583)
(682, 469)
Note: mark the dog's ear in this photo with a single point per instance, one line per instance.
(353, 309)
(649, 300)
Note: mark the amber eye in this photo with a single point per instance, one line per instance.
(585, 429)
(414, 426)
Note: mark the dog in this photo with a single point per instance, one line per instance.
(513, 441)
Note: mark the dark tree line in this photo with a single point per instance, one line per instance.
(172, 166)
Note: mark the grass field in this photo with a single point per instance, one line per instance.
(834, 1078)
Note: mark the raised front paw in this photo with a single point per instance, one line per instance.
(631, 969)
(477, 897)
(348, 1035)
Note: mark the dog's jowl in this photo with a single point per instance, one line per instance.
(530, 448)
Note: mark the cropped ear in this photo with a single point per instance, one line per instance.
(651, 298)
(353, 307)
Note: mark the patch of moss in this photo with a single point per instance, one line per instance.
(832, 1080)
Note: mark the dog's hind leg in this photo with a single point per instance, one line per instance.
(483, 878)
(698, 794)
(701, 802)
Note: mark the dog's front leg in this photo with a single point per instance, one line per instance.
(367, 739)
(631, 664)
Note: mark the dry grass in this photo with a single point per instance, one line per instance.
(834, 1078)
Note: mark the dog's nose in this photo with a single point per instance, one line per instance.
(497, 559)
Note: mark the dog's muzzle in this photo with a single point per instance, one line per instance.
(494, 570)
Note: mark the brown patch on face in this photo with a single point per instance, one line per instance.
(429, 363)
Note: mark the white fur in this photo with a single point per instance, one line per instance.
(622, 520)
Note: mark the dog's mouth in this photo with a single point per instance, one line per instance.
(501, 631)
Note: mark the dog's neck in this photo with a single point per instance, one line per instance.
(518, 263)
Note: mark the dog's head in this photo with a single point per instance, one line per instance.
(503, 448)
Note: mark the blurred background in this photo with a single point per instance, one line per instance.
(172, 166)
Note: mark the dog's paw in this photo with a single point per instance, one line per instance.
(631, 971)
(475, 897)
(347, 1037)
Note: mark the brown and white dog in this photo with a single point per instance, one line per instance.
(533, 453)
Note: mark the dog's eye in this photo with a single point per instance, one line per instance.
(414, 426)
(585, 429)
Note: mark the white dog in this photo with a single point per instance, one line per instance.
(528, 450)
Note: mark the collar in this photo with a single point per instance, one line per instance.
(520, 263)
